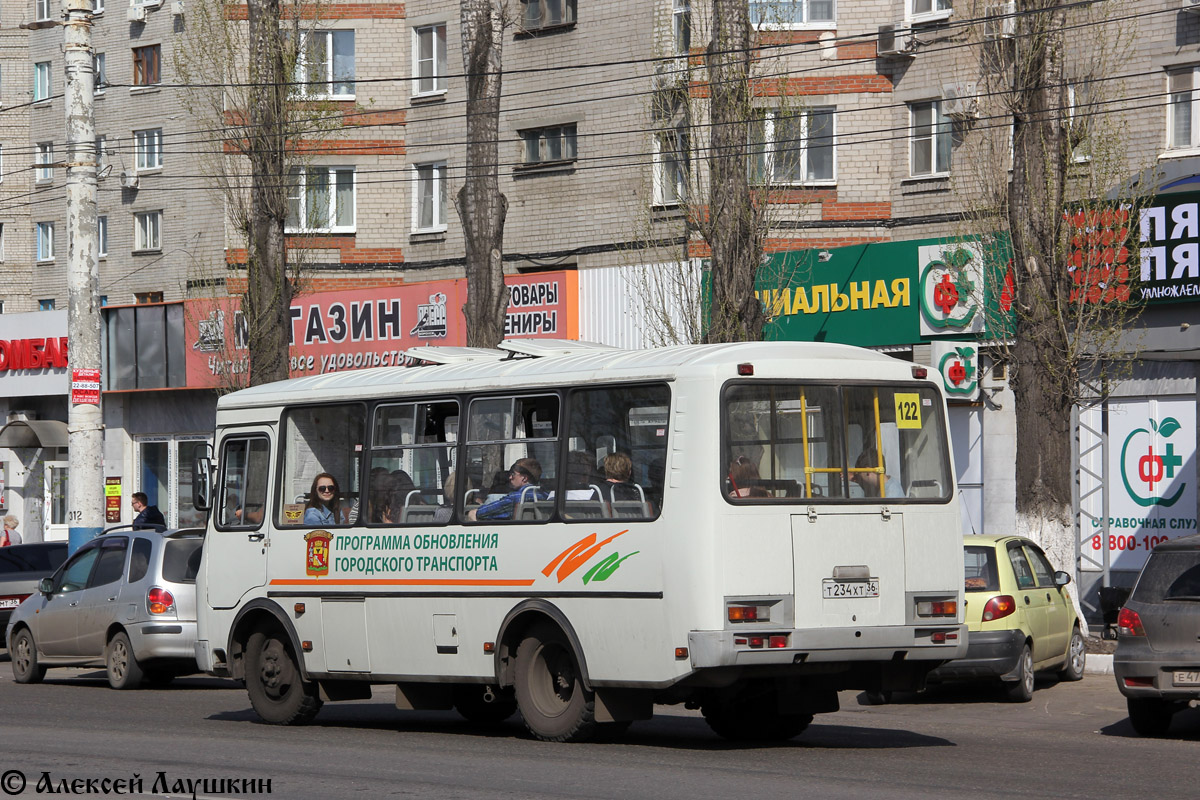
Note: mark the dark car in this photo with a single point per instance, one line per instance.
(1157, 661)
(21, 567)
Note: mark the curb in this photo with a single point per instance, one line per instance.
(1098, 664)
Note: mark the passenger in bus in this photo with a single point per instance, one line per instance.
(445, 511)
(402, 496)
(525, 473)
(324, 506)
(743, 474)
(582, 476)
(380, 494)
(869, 481)
(618, 483)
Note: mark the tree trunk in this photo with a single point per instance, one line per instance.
(731, 227)
(268, 293)
(1046, 375)
(480, 205)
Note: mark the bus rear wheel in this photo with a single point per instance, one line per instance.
(550, 693)
(278, 692)
(752, 715)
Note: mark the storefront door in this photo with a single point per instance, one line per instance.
(164, 473)
(54, 502)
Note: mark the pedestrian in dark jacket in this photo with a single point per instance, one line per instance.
(149, 517)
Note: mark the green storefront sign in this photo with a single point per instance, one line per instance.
(887, 293)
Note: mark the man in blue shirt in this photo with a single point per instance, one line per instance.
(523, 479)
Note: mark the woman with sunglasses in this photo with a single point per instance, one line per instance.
(324, 506)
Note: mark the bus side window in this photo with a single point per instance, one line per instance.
(507, 435)
(622, 431)
(316, 440)
(413, 463)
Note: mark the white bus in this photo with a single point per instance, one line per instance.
(581, 532)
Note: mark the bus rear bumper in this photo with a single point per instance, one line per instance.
(823, 645)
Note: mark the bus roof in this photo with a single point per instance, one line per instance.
(563, 365)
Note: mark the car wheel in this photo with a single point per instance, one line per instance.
(549, 688)
(483, 704)
(25, 666)
(124, 672)
(278, 692)
(1021, 690)
(1150, 716)
(1076, 658)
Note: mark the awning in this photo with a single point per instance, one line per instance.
(34, 433)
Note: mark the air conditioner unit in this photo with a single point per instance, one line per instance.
(177, 8)
(1000, 21)
(894, 40)
(136, 14)
(1192, 6)
(129, 179)
(959, 100)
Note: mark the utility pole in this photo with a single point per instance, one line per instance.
(85, 436)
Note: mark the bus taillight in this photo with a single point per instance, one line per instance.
(749, 613)
(938, 608)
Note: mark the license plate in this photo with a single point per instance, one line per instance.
(10, 602)
(1186, 678)
(831, 588)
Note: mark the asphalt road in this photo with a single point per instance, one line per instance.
(1073, 740)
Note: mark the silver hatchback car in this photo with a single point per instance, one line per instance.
(125, 600)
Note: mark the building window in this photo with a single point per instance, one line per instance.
(45, 156)
(146, 61)
(46, 304)
(550, 145)
(102, 234)
(1182, 108)
(148, 230)
(792, 146)
(45, 241)
(547, 13)
(41, 81)
(929, 10)
(97, 6)
(1079, 121)
(429, 51)
(429, 208)
(325, 64)
(670, 167)
(141, 298)
(1, 252)
(101, 151)
(791, 13)
(681, 27)
(147, 147)
(321, 199)
(41, 10)
(932, 135)
(99, 78)
(1, 163)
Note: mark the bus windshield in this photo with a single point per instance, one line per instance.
(790, 441)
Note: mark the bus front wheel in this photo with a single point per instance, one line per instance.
(278, 692)
(550, 693)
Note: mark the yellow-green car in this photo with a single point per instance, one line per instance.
(1020, 618)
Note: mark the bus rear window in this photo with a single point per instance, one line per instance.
(852, 442)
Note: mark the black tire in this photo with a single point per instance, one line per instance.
(124, 672)
(25, 666)
(1150, 716)
(878, 697)
(550, 693)
(470, 700)
(1076, 658)
(1021, 690)
(278, 691)
(752, 715)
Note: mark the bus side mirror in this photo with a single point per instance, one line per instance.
(202, 484)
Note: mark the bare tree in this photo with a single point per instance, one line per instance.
(264, 119)
(732, 225)
(1067, 287)
(480, 204)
